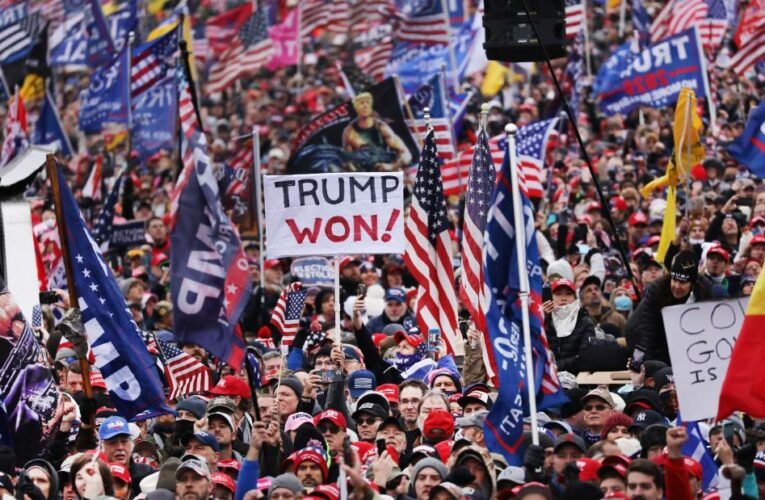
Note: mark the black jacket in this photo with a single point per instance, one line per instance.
(567, 349)
(645, 327)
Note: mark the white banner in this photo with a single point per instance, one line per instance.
(700, 338)
(334, 214)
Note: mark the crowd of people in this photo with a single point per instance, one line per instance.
(363, 408)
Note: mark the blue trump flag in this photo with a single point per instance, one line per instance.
(652, 76)
(99, 40)
(48, 129)
(504, 424)
(749, 147)
(128, 368)
(209, 273)
(154, 113)
(106, 98)
(696, 448)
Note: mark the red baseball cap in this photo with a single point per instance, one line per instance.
(310, 455)
(97, 379)
(412, 339)
(618, 203)
(757, 239)
(719, 250)
(230, 464)
(756, 220)
(231, 385)
(563, 282)
(637, 218)
(390, 391)
(438, 424)
(653, 240)
(223, 479)
(120, 472)
(588, 469)
(333, 416)
(271, 263)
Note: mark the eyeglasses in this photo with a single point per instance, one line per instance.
(367, 421)
(595, 407)
(332, 429)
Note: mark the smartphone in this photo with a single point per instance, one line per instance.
(434, 339)
(380, 446)
(636, 362)
(48, 297)
(361, 290)
(327, 376)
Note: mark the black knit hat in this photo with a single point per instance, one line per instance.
(574, 404)
(685, 267)
(7, 460)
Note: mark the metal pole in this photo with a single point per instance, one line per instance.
(585, 27)
(622, 16)
(450, 46)
(338, 335)
(50, 165)
(523, 277)
(131, 39)
(258, 205)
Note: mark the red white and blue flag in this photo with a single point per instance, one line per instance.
(185, 374)
(575, 17)
(288, 311)
(426, 23)
(152, 62)
(709, 16)
(432, 95)
(16, 137)
(502, 308)
(210, 279)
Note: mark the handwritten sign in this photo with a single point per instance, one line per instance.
(334, 214)
(700, 338)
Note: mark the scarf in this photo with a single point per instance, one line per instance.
(403, 362)
(564, 319)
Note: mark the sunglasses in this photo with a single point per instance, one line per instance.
(332, 429)
(367, 421)
(595, 407)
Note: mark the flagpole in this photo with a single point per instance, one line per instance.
(53, 108)
(131, 39)
(686, 137)
(523, 277)
(408, 110)
(338, 335)
(710, 101)
(447, 111)
(622, 17)
(586, 28)
(258, 202)
(299, 37)
(50, 167)
(450, 46)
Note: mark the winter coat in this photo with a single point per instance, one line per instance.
(609, 316)
(567, 349)
(645, 327)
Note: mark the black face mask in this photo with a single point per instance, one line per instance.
(669, 404)
(183, 427)
(730, 179)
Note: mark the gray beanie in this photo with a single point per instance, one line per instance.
(193, 405)
(424, 464)
(287, 480)
(166, 480)
(295, 384)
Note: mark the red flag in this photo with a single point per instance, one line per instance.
(744, 385)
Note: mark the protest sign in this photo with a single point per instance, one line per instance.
(128, 234)
(653, 76)
(366, 134)
(334, 214)
(700, 337)
(313, 271)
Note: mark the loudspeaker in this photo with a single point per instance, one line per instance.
(510, 36)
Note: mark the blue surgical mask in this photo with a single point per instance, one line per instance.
(623, 303)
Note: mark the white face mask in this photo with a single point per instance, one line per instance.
(695, 241)
(564, 318)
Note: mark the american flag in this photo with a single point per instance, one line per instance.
(200, 43)
(152, 62)
(16, 39)
(532, 147)
(16, 136)
(456, 171)
(185, 374)
(365, 15)
(223, 28)
(288, 311)
(751, 20)
(238, 193)
(189, 125)
(575, 17)
(750, 54)
(428, 251)
(428, 24)
(102, 228)
(477, 202)
(249, 53)
(373, 60)
(432, 95)
(709, 16)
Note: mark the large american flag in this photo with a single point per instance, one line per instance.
(428, 24)
(456, 171)
(575, 17)
(251, 51)
(532, 147)
(152, 62)
(185, 374)
(189, 125)
(750, 54)
(288, 311)
(477, 202)
(709, 16)
(428, 251)
(223, 28)
(326, 15)
(752, 19)
(373, 60)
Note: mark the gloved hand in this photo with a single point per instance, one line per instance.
(88, 408)
(534, 457)
(745, 456)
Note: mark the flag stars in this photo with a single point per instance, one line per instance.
(80, 259)
(231, 288)
(93, 287)
(86, 273)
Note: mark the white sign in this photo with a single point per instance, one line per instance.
(700, 338)
(334, 214)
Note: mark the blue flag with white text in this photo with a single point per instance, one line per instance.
(749, 147)
(99, 40)
(48, 130)
(154, 114)
(121, 22)
(504, 424)
(106, 98)
(115, 339)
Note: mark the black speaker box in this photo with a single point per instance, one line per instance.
(510, 35)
